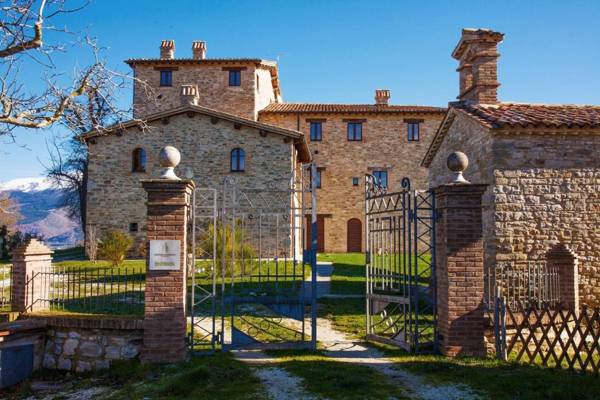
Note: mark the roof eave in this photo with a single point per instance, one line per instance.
(201, 110)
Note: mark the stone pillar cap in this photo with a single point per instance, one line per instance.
(458, 162)
(32, 246)
(169, 158)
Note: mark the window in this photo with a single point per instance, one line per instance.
(316, 129)
(138, 160)
(257, 83)
(133, 227)
(238, 160)
(235, 77)
(355, 181)
(382, 178)
(355, 131)
(413, 131)
(318, 179)
(166, 78)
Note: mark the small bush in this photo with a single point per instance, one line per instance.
(114, 246)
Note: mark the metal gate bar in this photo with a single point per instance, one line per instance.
(258, 261)
(400, 270)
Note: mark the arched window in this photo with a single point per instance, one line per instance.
(138, 160)
(238, 160)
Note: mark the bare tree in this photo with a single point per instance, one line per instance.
(23, 27)
(9, 211)
(91, 243)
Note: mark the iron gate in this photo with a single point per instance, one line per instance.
(253, 284)
(400, 270)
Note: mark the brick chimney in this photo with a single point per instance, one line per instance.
(477, 55)
(198, 50)
(381, 97)
(189, 95)
(167, 49)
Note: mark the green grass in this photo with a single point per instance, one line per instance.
(502, 380)
(338, 380)
(348, 272)
(347, 315)
(218, 377)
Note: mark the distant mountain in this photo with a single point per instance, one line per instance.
(40, 205)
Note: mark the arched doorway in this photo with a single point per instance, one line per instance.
(354, 235)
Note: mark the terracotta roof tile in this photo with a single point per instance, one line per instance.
(347, 108)
(197, 61)
(515, 115)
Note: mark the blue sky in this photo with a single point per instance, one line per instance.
(341, 51)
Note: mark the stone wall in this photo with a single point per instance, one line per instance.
(75, 344)
(213, 85)
(82, 350)
(544, 189)
(384, 146)
(547, 191)
(115, 196)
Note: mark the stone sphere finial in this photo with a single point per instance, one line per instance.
(458, 162)
(169, 157)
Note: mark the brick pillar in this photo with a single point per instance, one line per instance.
(164, 315)
(29, 286)
(567, 263)
(459, 250)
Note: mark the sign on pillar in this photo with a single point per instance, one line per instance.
(168, 208)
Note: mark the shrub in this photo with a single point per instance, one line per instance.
(114, 246)
(234, 243)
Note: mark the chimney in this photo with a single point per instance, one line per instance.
(167, 50)
(198, 50)
(189, 95)
(381, 97)
(477, 55)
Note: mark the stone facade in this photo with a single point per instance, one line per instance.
(544, 189)
(114, 193)
(212, 78)
(384, 146)
(115, 196)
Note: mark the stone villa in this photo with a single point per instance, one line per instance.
(227, 116)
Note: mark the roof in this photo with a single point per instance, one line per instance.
(514, 116)
(296, 136)
(270, 65)
(347, 108)
(133, 61)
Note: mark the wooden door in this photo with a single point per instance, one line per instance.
(354, 235)
(320, 233)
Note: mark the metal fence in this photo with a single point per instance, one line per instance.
(531, 284)
(106, 290)
(5, 287)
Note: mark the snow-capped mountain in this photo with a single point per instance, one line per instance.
(40, 205)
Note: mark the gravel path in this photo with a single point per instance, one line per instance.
(281, 385)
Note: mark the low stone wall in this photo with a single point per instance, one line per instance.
(86, 344)
(76, 343)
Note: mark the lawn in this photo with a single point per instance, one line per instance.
(348, 273)
(218, 377)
